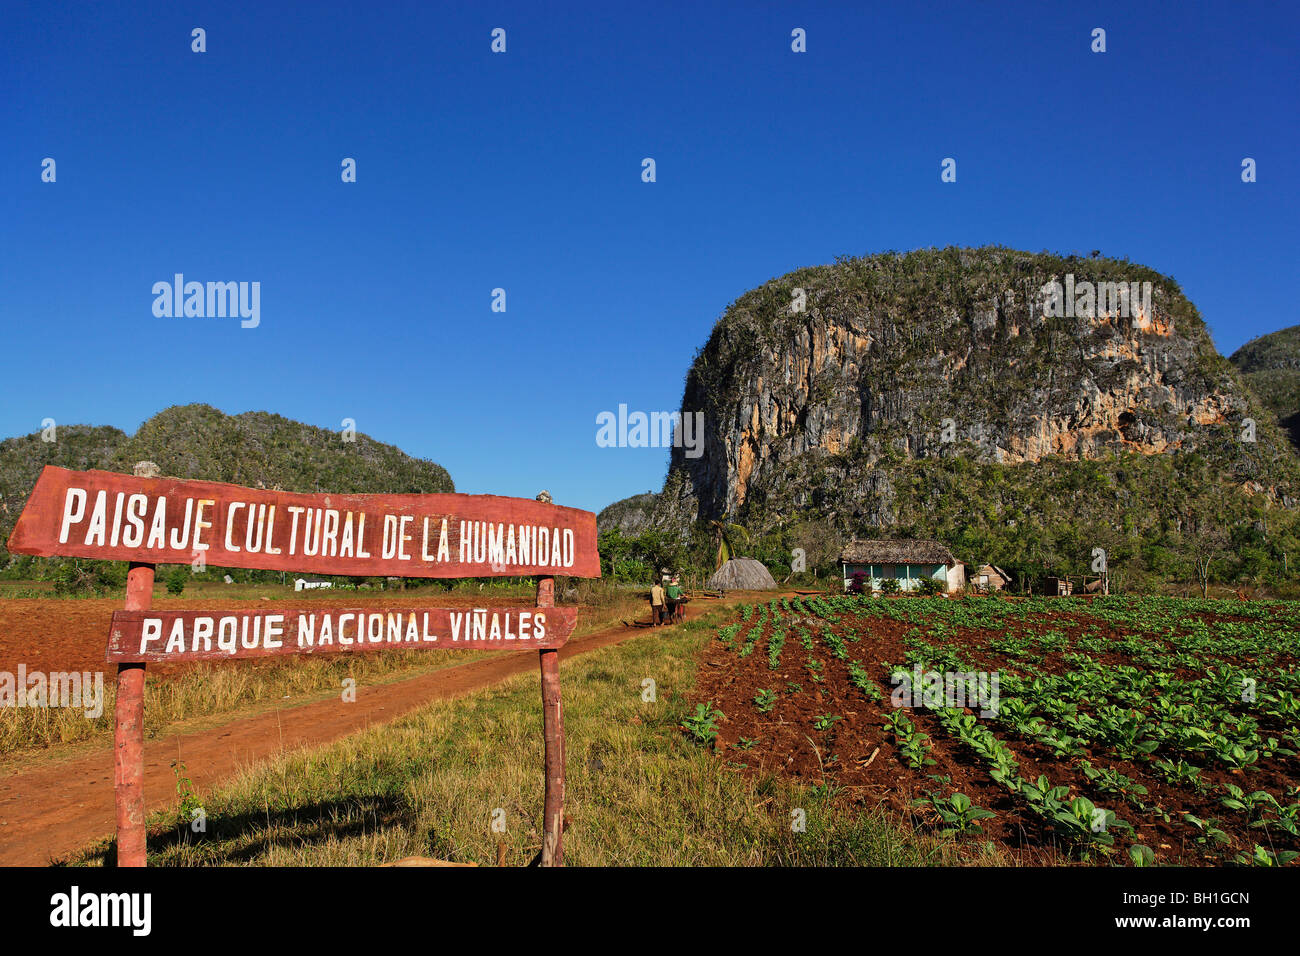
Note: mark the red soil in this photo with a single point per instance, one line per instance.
(858, 755)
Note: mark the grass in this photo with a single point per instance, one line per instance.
(229, 689)
(217, 690)
(639, 791)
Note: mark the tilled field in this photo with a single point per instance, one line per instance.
(1129, 730)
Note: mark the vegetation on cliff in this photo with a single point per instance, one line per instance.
(1270, 365)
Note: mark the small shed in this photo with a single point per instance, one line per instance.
(742, 574)
(990, 578)
(1057, 587)
(909, 561)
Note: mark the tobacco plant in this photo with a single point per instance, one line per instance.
(825, 721)
(703, 724)
(774, 645)
(957, 812)
(912, 743)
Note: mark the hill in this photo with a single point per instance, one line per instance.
(1270, 365)
(951, 393)
(629, 514)
(257, 449)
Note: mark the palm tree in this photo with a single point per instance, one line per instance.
(727, 535)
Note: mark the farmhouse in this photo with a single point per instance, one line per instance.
(908, 561)
(990, 578)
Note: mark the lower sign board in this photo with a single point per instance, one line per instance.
(165, 637)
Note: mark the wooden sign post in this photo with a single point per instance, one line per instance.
(150, 521)
(553, 739)
(128, 733)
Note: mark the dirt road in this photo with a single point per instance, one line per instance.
(49, 812)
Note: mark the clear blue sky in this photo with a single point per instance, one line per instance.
(523, 171)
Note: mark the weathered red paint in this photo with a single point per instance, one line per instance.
(553, 738)
(238, 527)
(128, 734)
(146, 635)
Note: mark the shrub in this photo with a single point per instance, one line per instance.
(69, 579)
(176, 580)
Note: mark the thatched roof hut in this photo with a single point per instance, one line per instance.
(896, 551)
(912, 562)
(742, 574)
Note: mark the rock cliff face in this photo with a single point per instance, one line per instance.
(819, 386)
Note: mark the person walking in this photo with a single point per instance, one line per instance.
(656, 604)
(673, 595)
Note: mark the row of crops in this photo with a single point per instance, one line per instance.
(1152, 730)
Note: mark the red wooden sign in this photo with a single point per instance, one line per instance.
(101, 514)
(150, 521)
(164, 637)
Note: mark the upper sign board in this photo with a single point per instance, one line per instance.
(102, 514)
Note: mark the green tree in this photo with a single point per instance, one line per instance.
(176, 580)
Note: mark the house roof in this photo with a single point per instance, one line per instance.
(897, 551)
(994, 569)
